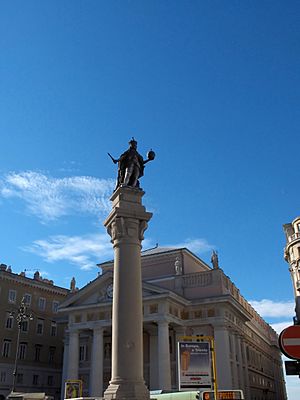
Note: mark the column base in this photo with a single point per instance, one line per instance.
(124, 390)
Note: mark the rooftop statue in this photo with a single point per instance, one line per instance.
(131, 165)
(215, 259)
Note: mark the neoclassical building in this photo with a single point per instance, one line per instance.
(182, 296)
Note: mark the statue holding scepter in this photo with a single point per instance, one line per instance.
(131, 165)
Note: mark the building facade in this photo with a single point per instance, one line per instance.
(40, 351)
(182, 296)
(292, 256)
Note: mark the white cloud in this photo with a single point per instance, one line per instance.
(274, 309)
(83, 251)
(50, 198)
(194, 245)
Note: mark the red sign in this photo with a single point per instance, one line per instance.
(289, 341)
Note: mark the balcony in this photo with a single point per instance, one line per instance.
(293, 237)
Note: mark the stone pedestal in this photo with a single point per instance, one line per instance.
(126, 225)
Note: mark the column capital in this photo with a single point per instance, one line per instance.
(126, 229)
(73, 331)
(128, 218)
(98, 329)
(222, 327)
(163, 322)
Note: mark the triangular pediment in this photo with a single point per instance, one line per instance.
(95, 292)
(100, 291)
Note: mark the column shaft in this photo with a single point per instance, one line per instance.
(73, 358)
(127, 325)
(96, 371)
(224, 377)
(164, 367)
(65, 368)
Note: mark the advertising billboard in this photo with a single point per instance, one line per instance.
(194, 365)
(73, 389)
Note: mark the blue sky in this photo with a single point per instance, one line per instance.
(211, 86)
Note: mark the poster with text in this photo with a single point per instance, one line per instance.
(194, 366)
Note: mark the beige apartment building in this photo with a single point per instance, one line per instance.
(40, 351)
(182, 296)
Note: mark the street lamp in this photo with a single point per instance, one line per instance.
(20, 316)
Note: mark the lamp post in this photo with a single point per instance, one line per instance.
(20, 316)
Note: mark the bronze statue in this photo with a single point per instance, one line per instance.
(131, 165)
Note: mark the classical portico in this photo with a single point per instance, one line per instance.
(182, 296)
(96, 336)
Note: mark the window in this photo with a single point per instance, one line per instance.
(51, 354)
(22, 351)
(12, 296)
(9, 323)
(20, 378)
(27, 299)
(24, 327)
(37, 354)
(55, 305)
(50, 380)
(35, 380)
(6, 348)
(2, 376)
(211, 312)
(53, 329)
(153, 308)
(40, 326)
(42, 303)
(82, 352)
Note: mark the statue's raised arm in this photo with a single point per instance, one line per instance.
(131, 165)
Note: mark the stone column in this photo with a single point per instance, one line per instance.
(164, 367)
(96, 370)
(126, 225)
(247, 384)
(153, 361)
(224, 377)
(234, 366)
(73, 356)
(241, 369)
(65, 367)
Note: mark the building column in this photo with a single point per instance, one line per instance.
(180, 332)
(65, 367)
(234, 366)
(153, 361)
(96, 370)
(164, 362)
(240, 381)
(241, 375)
(247, 383)
(224, 377)
(73, 355)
